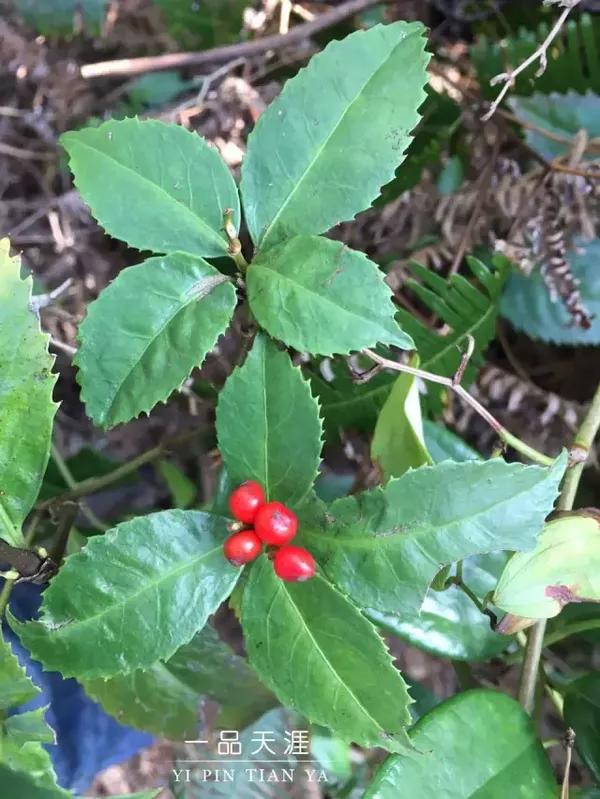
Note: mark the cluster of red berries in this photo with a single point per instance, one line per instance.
(273, 524)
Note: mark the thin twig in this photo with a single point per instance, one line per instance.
(138, 66)
(535, 640)
(569, 743)
(94, 484)
(592, 146)
(504, 435)
(584, 440)
(540, 54)
(22, 152)
(67, 476)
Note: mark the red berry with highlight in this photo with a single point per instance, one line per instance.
(294, 564)
(245, 501)
(242, 547)
(275, 524)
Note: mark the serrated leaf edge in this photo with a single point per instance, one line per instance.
(334, 44)
(315, 399)
(298, 345)
(155, 123)
(386, 657)
(107, 421)
(96, 541)
(28, 282)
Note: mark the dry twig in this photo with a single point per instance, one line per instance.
(540, 54)
(138, 66)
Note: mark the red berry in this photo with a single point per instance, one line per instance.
(294, 564)
(245, 501)
(242, 547)
(275, 524)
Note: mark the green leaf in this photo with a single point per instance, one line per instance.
(318, 654)
(398, 442)
(477, 744)
(165, 315)
(317, 295)
(158, 187)
(26, 772)
(451, 177)
(156, 89)
(165, 699)
(564, 567)
(183, 490)
(465, 308)
(268, 425)
(58, 16)
(443, 444)
(527, 305)
(25, 767)
(26, 406)
(322, 150)
(15, 686)
(582, 713)
(383, 547)
(333, 755)
(28, 726)
(143, 589)
(448, 624)
(563, 115)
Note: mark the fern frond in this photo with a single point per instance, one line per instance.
(573, 61)
(464, 308)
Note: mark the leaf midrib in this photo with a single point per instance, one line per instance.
(171, 318)
(376, 541)
(326, 141)
(327, 300)
(339, 680)
(68, 625)
(179, 205)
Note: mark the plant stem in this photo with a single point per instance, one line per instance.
(235, 245)
(535, 640)
(8, 584)
(67, 476)
(95, 484)
(520, 446)
(453, 384)
(583, 442)
(531, 664)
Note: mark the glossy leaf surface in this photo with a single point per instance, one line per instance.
(268, 425)
(455, 759)
(383, 547)
(321, 656)
(143, 589)
(165, 314)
